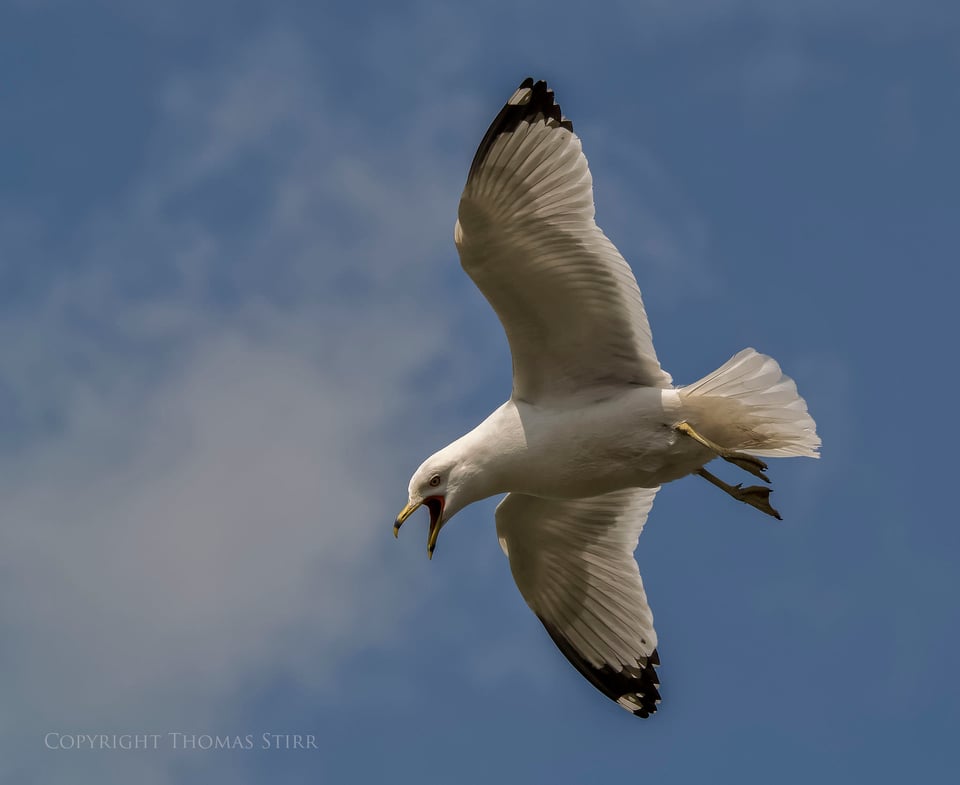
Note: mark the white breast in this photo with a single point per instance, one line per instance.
(624, 441)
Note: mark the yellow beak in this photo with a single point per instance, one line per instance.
(435, 505)
(405, 513)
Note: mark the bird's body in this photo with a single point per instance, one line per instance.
(594, 425)
(583, 447)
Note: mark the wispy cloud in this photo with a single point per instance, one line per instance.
(215, 416)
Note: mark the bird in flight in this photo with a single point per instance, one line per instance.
(594, 426)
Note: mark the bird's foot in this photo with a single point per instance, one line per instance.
(748, 463)
(755, 495)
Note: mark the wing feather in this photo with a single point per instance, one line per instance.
(572, 560)
(568, 302)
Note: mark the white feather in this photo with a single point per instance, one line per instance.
(573, 562)
(749, 404)
(568, 301)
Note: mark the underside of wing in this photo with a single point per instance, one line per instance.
(568, 301)
(572, 560)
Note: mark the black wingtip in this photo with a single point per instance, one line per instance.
(634, 687)
(530, 100)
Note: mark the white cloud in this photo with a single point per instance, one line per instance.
(208, 476)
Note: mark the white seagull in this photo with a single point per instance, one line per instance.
(594, 425)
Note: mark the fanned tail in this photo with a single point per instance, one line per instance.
(748, 404)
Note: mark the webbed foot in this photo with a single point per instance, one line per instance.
(756, 496)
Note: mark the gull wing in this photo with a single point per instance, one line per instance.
(568, 301)
(572, 560)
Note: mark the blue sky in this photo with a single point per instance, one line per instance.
(234, 324)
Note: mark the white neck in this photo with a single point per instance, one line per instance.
(486, 454)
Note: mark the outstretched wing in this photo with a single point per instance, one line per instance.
(568, 301)
(573, 562)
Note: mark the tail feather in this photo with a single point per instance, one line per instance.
(748, 404)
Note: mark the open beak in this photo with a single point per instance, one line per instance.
(435, 505)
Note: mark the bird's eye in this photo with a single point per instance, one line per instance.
(435, 481)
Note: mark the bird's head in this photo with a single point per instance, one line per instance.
(439, 485)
